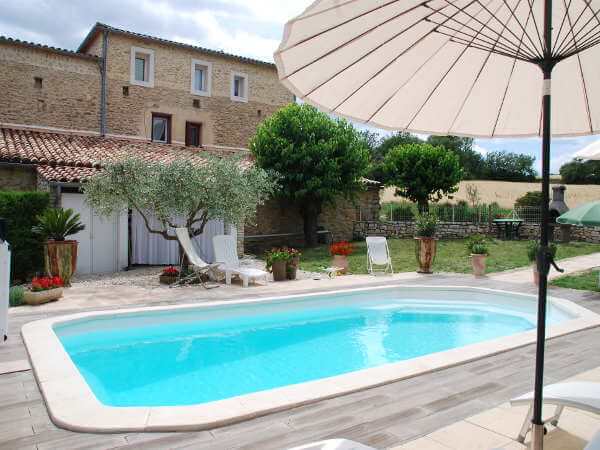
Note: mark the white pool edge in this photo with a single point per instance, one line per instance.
(72, 405)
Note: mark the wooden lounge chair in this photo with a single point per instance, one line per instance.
(198, 265)
(226, 254)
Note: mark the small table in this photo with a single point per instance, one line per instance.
(511, 227)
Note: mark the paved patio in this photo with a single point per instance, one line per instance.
(385, 417)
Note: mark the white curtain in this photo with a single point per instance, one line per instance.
(150, 248)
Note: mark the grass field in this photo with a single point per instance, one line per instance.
(452, 255)
(505, 192)
(586, 281)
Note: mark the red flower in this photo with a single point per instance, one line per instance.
(344, 248)
(172, 271)
(45, 283)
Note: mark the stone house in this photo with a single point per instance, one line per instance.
(63, 112)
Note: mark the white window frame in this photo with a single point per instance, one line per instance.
(150, 60)
(247, 87)
(208, 65)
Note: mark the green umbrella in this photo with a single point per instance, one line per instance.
(587, 214)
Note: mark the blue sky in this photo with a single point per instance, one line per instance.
(250, 28)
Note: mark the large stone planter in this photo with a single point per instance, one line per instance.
(425, 249)
(279, 270)
(478, 263)
(167, 279)
(40, 297)
(340, 261)
(61, 259)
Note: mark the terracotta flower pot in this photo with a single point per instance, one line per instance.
(478, 263)
(40, 297)
(167, 279)
(536, 276)
(292, 268)
(425, 249)
(279, 270)
(60, 259)
(340, 261)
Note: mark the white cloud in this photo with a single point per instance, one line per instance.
(481, 150)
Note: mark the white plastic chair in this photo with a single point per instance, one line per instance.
(226, 253)
(378, 254)
(199, 266)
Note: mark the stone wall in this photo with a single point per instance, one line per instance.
(454, 230)
(224, 122)
(278, 223)
(69, 94)
(15, 178)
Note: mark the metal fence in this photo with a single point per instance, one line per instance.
(405, 212)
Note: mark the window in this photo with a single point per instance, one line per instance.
(193, 134)
(37, 82)
(239, 87)
(161, 128)
(142, 67)
(201, 77)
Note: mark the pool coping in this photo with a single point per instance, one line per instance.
(72, 405)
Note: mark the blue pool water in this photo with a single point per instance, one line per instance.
(190, 356)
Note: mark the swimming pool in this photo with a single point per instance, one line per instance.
(241, 353)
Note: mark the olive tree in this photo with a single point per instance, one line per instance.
(318, 159)
(422, 172)
(181, 192)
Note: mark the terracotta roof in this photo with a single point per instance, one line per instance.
(98, 27)
(48, 48)
(71, 158)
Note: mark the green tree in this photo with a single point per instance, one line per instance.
(507, 166)
(531, 198)
(423, 173)
(195, 192)
(471, 161)
(580, 172)
(317, 159)
(381, 149)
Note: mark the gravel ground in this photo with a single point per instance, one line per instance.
(147, 276)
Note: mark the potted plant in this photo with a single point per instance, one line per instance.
(293, 263)
(425, 248)
(340, 252)
(277, 259)
(479, 251)
(43, 290)
(60, 255)
(169, 275)
(532, 251)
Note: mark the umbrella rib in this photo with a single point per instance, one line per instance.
(562, 23)
(584, 47)
(537, 30)
(337, 25)
(577, 47)
(575, 35)
(462, 106)
(523, 28)
(324, 55)
(435, 88)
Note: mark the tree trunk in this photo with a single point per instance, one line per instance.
(423, 206)
(310, 213)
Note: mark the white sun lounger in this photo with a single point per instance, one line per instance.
(378, 254)
(199, 266)
(334, 444)
(226, 254)
(582, 395)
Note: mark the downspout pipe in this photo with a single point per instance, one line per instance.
(103, 83)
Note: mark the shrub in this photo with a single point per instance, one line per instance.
(533, 248)
(57, 224)
(20, 209)
(533, 198)
(15, 295)
(477, 245)
(426, 224)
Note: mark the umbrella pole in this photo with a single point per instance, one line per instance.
(543, 257)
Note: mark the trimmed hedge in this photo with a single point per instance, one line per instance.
(20, 210)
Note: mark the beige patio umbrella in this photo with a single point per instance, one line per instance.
(464, 67)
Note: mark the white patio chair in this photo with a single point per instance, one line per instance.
(582, 395)
(198, 265)
(226, 253)
(378, 254)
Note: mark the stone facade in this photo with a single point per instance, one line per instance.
(224, 122)
(277, 223)
(456, 230)
(15, 178)
(44, 88)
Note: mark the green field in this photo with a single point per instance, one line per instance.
(452, 255)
